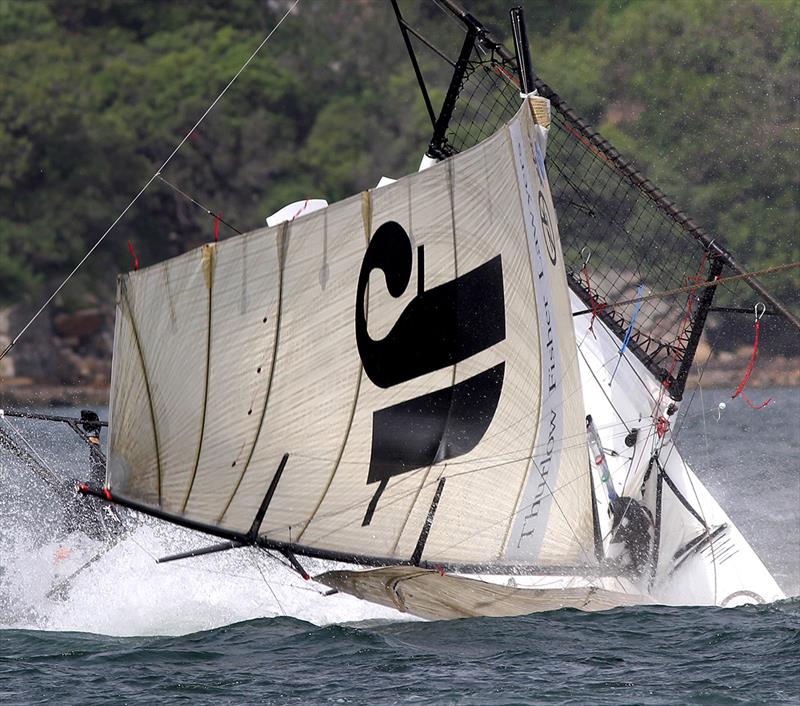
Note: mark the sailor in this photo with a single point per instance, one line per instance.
(631, 526)
(88, 516)
(97, 465)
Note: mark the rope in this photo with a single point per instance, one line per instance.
(751, 365)
(216, 216)
(133, 255)
(692, 287)
(147, 184)
(696, 281)
(274, 595)
(596, 306)
(627, 337)
(49, 475)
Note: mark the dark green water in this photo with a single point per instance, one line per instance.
(747, 655)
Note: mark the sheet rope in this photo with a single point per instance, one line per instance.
(692, 287)
(751, 364)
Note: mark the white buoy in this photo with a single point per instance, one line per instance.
(722, 406)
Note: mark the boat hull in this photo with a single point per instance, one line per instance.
(697, 565)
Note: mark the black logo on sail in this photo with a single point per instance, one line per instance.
(440, 327)
(549, 238)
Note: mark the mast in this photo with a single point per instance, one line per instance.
(522, 50)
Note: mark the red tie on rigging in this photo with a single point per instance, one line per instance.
(751, 364)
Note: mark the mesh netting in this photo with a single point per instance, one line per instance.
(610, 214)
(487, 99)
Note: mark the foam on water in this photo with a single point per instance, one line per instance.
(124, 592)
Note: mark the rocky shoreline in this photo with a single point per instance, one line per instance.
(725, 370)
(65, 360)
(23, 395)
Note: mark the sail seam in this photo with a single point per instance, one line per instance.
(367, 220)
(451, 194)
(210, 283)
(550, 494)
(521, 492)
(135, 331)
(425, 476)
(283, 246)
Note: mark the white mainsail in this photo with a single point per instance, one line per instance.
(406, 335)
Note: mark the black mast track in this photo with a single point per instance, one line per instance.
(522, 50)
(696, 329)
(599, 551)
(656, 523)
(404, 30)
(438, 147)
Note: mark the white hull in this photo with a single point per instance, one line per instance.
(727, 572)
(730, 575)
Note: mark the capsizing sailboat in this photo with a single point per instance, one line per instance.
(398, 381)
(427, 387)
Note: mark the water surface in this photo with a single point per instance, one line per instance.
(214, 630)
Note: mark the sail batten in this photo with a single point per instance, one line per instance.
(435, 348)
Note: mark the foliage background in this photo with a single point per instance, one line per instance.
(94, 94)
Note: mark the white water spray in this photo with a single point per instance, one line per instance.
(123, 592)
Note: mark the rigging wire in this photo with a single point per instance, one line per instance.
(217, 216)
(708, 464)
(245, 577)
(675, 433)
(155, 176)
(142, 547)
(693, 287)
(50, 475)
(254, 556)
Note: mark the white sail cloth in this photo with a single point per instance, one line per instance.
(411, 333)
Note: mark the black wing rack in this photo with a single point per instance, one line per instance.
(606, 208)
